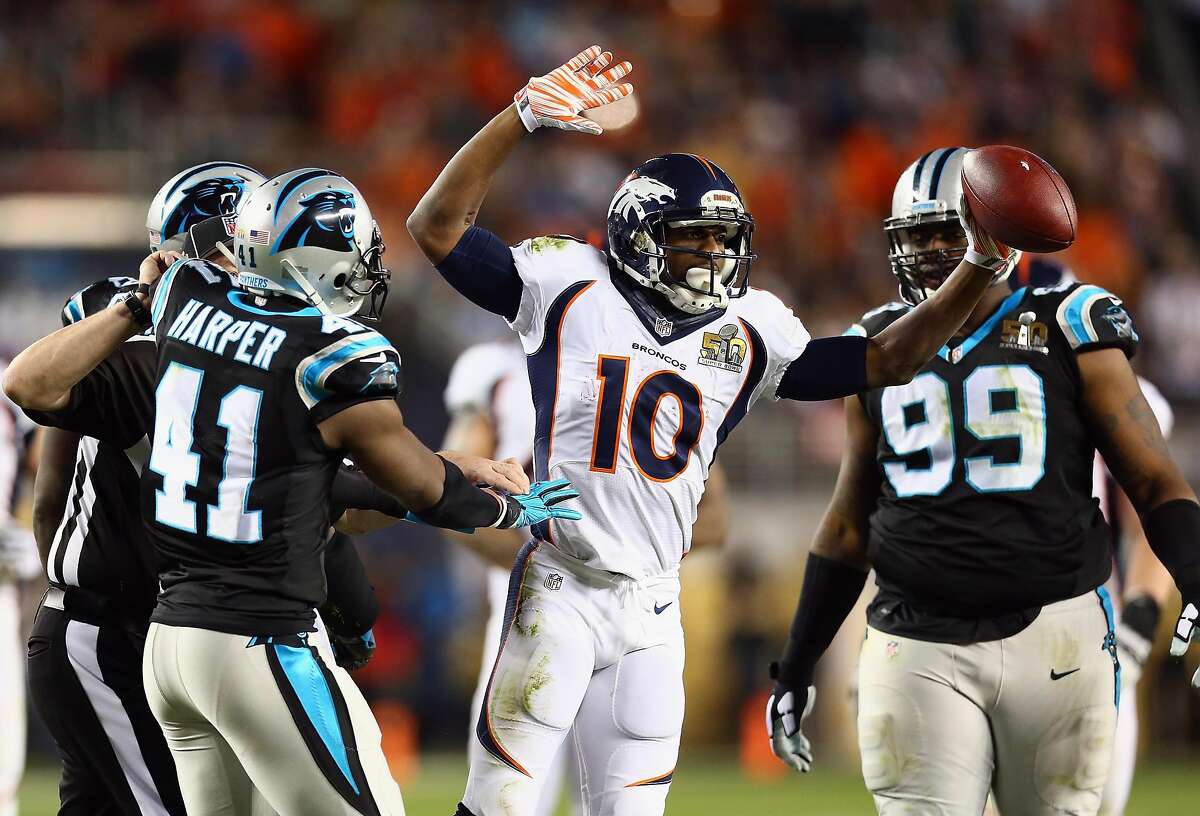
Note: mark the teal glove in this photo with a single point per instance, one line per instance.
(538, 504)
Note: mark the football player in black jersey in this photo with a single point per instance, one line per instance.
(238, 516)
(990, 660)
(88, 638)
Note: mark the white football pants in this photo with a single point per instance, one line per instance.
(274, 719)
(560, 772)
(588, 649)
(1030, 717)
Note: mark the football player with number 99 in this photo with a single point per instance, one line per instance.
(642, 359)
(990, 660)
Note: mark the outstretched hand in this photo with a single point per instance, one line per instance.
(507, 475)
(558, 98)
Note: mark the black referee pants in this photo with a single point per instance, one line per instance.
(86, 684)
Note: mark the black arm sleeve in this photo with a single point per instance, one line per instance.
(830, 591)
(829, 368)
(351, 606)
(1173, 531)
(481, 268)
(115, 401)
(462, 505)
(353, 490)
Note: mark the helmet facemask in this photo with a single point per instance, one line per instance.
(919, 268)
(714, 277)
(370, 279)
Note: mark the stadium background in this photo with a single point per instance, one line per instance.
(814, 108)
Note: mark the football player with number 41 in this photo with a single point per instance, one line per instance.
(990, 659)
(642, 359)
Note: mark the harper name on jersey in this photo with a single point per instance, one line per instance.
(986, 505)
(236, 490)
(630, 404)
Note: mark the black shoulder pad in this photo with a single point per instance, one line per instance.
(1091, 318)
(876, 320)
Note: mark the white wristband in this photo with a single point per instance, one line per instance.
(503, 507)
(987, 262)
(525, 110)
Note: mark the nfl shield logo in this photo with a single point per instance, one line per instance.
(554, 581)
(663, 327)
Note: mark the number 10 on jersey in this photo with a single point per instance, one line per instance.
(613, 373)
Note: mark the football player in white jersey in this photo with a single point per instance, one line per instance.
(492, 415)
(642, 359)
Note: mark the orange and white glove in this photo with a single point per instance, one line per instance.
(557, 99)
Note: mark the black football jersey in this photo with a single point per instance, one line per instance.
(236, 491)
(986, 511)
(100, 545)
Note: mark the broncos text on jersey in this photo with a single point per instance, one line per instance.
(986, 506)
(236, 490)
(630, 404)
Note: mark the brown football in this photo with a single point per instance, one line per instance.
(1019, 198)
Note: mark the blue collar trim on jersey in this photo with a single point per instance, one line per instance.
(236, 298)
(638, 298)
(964, 348)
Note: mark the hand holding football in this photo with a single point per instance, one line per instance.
(1019, 199)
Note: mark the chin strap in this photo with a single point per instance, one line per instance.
(227, 252)
(305, 286)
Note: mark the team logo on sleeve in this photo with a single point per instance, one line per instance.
(723, 349)
(326, 220)
(386, 377)
(1024, 334)
(1120, 320)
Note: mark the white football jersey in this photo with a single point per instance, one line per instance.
(630, 407)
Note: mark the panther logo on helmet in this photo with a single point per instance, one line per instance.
(326, 220)
(210, 197)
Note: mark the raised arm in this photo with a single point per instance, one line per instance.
(41, 377)
(833, 579)
(833, 367)
(1128, 436)
(450, 206)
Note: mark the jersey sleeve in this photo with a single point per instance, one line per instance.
(473, 379)
(93, 298)
(783, 337)
(1092, 318)
(114, 402)
(356, 368)
(547, 266)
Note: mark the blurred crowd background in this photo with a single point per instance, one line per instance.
(813, 107)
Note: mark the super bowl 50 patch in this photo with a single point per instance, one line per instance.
(724, 349)
(1024, 334)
